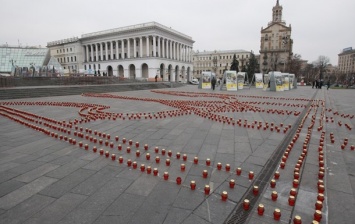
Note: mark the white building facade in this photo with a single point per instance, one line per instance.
(68, 53)
(218, 61)
(135, 52)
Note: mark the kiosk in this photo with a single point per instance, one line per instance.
(240, 79)
(205, 80)
(278, 81)
(231, 80)
(259, 81)
(286, 81)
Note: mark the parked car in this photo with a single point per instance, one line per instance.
(194, 81)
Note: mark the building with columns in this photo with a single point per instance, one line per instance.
(275, 43)
(217, 61)
(136, 52)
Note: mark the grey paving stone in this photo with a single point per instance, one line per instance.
(194, 219)
(10, 157)
(341, 205)
(31, 165)
(123, 208)
(176, 215)
(97, 203)
(9, 186)
(58, 209)
(95, 182)
(188, 199)
(98, 163)
(214, 209)
(261, 161)
(157, 204)
(26, 209)
(26, 159)
(15, 197)
(61, 160)
(143, 185)
(226, 146)
(5, 176)
(38, 172)
(67, 183)
(8, 166)
(67, 169)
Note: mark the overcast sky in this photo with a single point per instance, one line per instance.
(319, 27)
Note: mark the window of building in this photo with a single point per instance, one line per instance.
(74, 58)
(71, 59)
(99, 66)
(57, 51)
(71, 49)
(85, 67)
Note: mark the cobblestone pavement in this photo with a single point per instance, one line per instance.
(117, 158)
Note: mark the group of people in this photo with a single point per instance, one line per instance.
(318, 83)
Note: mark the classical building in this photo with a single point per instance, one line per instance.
(217, 61)
(275, 43)
(137, 52)
(346, 61)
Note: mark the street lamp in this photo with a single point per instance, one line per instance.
(285, 42)
(215, 64)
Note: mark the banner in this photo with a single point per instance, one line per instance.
(241, 78)
(231, 80)
(206, 80)
(259, 81)
(278, 81)
(286, 80)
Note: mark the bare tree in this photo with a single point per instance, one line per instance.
(321, 64)
(295, 65)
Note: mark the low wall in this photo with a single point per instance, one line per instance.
(49, 81)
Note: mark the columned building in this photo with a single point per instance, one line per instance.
(218, 61)
(138, 52)
(275, 43)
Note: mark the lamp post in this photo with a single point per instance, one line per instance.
(214, 64)
(285, 42)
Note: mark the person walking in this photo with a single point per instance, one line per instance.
(213, 82)
(156, 78)
(328, 84)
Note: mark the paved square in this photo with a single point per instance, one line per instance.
(49, 172)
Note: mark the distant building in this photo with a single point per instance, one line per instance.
(23, 61)
(136, 52)
(69, 53)
(346, 61)
(275, 43)
(217, 61)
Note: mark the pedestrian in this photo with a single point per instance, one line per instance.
(213, 82)
(156, 78)
(314, 83)
(328, 84)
